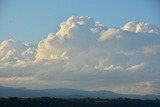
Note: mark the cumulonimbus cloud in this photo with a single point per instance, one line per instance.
(85, 52)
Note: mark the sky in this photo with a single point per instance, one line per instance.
(30, 21)
(88, 44)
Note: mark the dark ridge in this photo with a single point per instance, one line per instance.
(68, 93)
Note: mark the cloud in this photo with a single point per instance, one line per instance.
(135, 67)
(146, 87)
(16, 79)
(106, 67)
(140, 27)
(74, 56)
(109, 33)
(14, 53)
(75, 25)
(152, 50)
(50, 49)
(126, 53)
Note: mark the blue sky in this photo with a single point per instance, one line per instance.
(32, 20)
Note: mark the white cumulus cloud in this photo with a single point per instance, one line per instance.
(140, 27)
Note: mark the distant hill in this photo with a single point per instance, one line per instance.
(67, 93)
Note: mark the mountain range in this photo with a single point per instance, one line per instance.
(67, 93)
